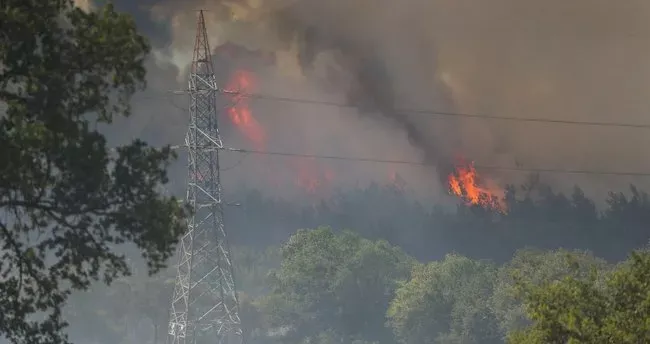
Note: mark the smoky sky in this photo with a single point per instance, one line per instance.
(583, 60)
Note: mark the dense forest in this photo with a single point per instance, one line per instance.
(536, 216)
(379, 268)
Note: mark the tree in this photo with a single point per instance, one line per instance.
(574, 310)
(536, 267)
(66, 198)
(334, 285)
(566, 311)
(446, 302)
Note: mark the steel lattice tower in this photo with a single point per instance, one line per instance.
(204, 306)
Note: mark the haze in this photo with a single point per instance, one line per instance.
(580, 60)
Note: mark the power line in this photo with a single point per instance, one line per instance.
(417, 163)
(458, 114)
(445, 113)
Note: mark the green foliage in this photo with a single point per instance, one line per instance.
(66, 199)
(332, 282)
(574, 310)
(536, 267)
(629, 295)
(335, 288)
(446, 302)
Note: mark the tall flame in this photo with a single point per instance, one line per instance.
(310, 177)
(465, 183)
(313, 178)
(240, 114)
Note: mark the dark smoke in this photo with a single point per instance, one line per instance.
(372, 91)
(374, 95)
(582, 60)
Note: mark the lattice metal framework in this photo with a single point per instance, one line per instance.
(204, 306)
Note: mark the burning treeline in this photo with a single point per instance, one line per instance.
(312, 176)
(357, 71)
(370, 90)
(577, 60)
(240, 81)
(288, 37)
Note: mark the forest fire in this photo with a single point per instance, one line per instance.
(313, 179)
(465, 183)
(309, 176)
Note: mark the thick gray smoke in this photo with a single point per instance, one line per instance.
(581, 60)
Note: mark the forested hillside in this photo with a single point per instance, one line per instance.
(537, 216)
(387, 270)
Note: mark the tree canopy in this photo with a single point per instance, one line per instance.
(574, 310)
(535, 267)
(334, 285)
(446, 302)
(337, 287)
(67, 198)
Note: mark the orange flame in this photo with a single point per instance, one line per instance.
(311, 178)
(240, 113)
(466, 184)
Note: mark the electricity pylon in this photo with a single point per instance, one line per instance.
(204, 306)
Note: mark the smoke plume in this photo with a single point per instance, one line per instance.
(583, 60)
